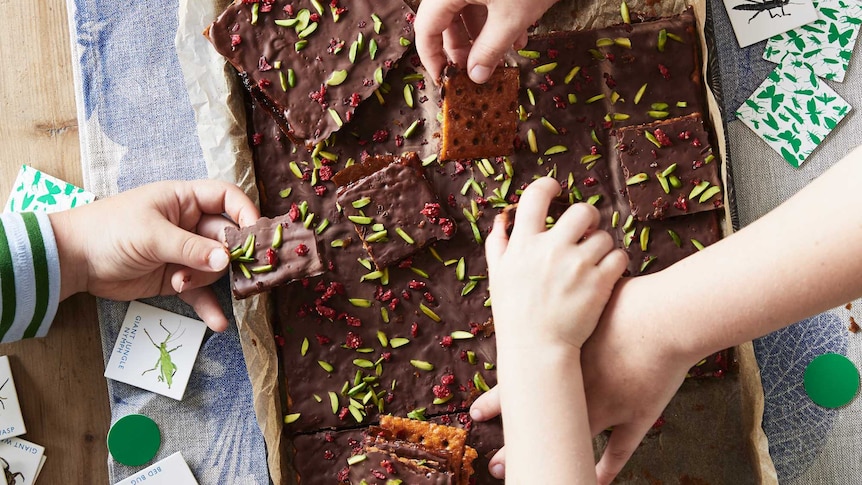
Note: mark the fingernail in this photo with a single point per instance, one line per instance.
(218, 259)
(476, 414)
(498, 471)
(480, 74)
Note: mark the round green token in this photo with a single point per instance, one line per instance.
(134, 440)
(831, 380)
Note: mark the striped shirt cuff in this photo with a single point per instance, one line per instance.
(29, 275)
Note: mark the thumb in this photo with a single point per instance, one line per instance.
(496, 242)
(498, 34)
(178, 246)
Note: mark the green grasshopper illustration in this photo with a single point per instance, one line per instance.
(166, 366)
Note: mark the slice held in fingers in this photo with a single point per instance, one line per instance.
(270, 253)
(479, 120)
(393, 207)
(311, 63)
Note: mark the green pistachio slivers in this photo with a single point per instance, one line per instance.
(709, 193)
(378, 75)
(669, 170)
(697, 244)
(282, 80)
(408, 95)
(624, 12)
(308, 30)
(374, 275)
(674, 37)
(277, 236)
(586, 159)
(363, 363)
(300, 44)
(417, 414)
(286, 22)
(675, 182)
(303, 349)
(556, 149)
(337, 77)
(266, 268)
(379, 236)
(422, 365)
(461, 335)
(406, 237)
(550, 127)
(698, 189)
(529, 54)
(675, 237)
(359, 302)
(644, 238)
(594, 199)
(604, 42)
(623, 42)
(649, 136)
(460, 269)
(353, 460)
(531, 140)
(255, 11)
(336, 117)
(378, 24)
(398, 342)
(372, 49)
(245, 271)
(361, 220)
(637, 179)
(658, 114)
(595, 98)
(354, 50)
(480, 383)
(404, 42)
(470, 286)
(429, 312)
(648, 261)
(333, 401)
(361, 202)
(411, 130)
(615, 219)
(291, 418)
(662, 180)
(571, 75)
(420, 272)
(545, 68)
(659, 106)
(325, 365)
(662, 40)
(640, 93)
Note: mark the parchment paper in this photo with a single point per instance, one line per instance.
(702, 415)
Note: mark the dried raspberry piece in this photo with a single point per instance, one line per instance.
(271, 256)
(446, 341)
(322, 339)
(662, 138)
(235, 40)
(301, 249)
(353, 341)
(262, 65)
(441, 392)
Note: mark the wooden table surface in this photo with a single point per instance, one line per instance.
(59, 378)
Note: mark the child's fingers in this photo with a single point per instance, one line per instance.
(521, 41)
(171, 244)
(183, 279)
(486, 406)
(432, 19)
(456, 41)
(533, 207)
(206, 305)
(576, 221)
(623, 442)
(474, 17)
(497, 464)
(213, 227)
(501, 30)
(217, 197)
(596, 246)
(614, 263)
(496, 242)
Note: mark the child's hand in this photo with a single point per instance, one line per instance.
(159, 239)
(458, 27)
(549, 286)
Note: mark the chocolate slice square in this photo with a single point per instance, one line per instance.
(669, 168)
(479, 120)
(392, 206)
(311, 63)
(270, 253)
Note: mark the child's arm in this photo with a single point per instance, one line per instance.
(457, 28)
(802, 258)
(549, 288)
(159, 239)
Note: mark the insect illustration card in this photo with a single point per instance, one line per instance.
(827, 44)
(155, 350)
(756, 20)
(793, 111)
(173, 470)
(36, 191)
(23, 459)
(11, 421)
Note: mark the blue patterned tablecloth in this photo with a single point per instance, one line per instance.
(137, 126)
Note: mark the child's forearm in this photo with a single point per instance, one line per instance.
(802, 258)
(545, 422)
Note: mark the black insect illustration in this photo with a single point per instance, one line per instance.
(3, 404)
(760, 6)
(11, 478)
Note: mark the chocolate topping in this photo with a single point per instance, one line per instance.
(313, 70)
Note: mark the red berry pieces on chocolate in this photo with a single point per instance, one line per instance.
(664, 71)
(353, 341)
(271, 257)
(301, 249)
(662, 138)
